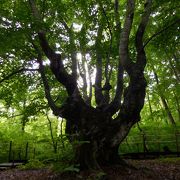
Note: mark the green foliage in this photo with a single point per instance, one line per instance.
(156, 138)
(100, 175)
(72, 168)
(24, 91)
(32, 164)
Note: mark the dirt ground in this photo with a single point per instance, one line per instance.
(159, 169)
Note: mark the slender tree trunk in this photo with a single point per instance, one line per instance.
(177, 104)
(144, 137)
(166, 107)
(54, 143)
(164, 102)
(175, 71)
(163, 113)
(150, 107)
(61, 134)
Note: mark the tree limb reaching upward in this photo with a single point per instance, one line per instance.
(56, 64)
(124, 60)
(134, 94)
(124, 37)
(141, 57)
(98, 80)
(47, 90)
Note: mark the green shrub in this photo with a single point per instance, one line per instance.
(32, 164)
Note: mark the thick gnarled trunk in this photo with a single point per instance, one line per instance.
(97, 134)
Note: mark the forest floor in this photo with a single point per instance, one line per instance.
(158, 169)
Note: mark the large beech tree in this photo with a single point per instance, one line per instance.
(95, 125)
(93, 50)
